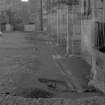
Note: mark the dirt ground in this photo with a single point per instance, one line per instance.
(25, 57)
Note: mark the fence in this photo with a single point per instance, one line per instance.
(62, 24)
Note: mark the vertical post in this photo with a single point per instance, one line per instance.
(103, 26)
(81, 21)
(60, 17)
(93, 50)
(41, 15)
(67, 46)
(48, 16)
(57, 24)
(0, 21)
(0, 26)
(72, 28)
(51, 27)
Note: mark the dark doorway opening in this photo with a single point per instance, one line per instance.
(3, 27)
(100, 36)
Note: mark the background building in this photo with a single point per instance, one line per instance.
(21, 13)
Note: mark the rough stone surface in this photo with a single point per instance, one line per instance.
(12, 100)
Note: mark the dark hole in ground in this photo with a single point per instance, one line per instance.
(34, 93)
(5, 93)
(39, 93)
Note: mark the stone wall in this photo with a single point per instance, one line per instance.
(87, 33)
(99, 10)
(100, 71)
(91, 55)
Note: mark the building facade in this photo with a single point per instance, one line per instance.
(92, 39)
(84, 34)
(95, 42)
